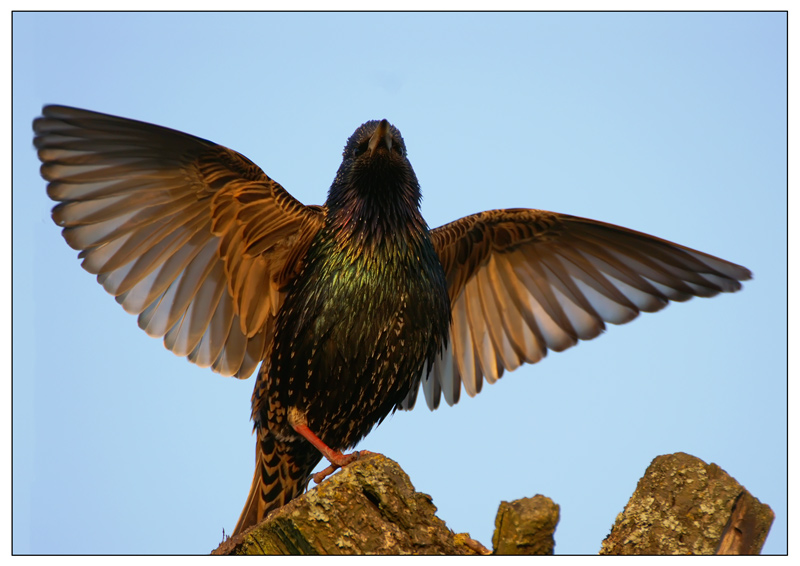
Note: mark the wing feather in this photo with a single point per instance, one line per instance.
(522, 282)
(191, 236)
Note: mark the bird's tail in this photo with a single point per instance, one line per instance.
(282, 472)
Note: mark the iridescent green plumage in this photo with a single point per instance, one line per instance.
(367, 312)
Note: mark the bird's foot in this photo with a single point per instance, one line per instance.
(336, 458)
(341, 461)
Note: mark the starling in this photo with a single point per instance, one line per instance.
(349, 307)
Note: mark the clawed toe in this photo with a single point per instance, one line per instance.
(340, 461)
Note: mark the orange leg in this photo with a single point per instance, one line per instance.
(336, 458)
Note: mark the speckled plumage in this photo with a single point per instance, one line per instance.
(352, 307)
(365, 313)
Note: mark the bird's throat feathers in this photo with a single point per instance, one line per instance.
(373, 211)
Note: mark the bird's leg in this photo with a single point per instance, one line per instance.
(336, 458)
(297, 420)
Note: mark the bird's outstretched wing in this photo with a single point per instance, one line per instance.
(191, 236)
(524, 281)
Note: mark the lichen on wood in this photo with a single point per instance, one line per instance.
(526, 526)
(681, 506)
(369, 507)
(684, 506)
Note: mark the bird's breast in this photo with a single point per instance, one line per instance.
(354, 333)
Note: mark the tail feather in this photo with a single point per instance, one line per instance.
(282, 472)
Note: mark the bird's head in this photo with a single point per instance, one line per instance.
(374, 139)
(375, 170)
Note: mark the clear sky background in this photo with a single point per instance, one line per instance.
(668, 123)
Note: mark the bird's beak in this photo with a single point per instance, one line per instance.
(382, 135)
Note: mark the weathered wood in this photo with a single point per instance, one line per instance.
(684, 506)
(747, 528)
(525, 526)
(681, 506)
(369, 507)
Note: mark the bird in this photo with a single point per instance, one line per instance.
(347, 309)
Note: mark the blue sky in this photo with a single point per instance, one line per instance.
(669, 123)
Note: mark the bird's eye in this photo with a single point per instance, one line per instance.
(361, 148)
